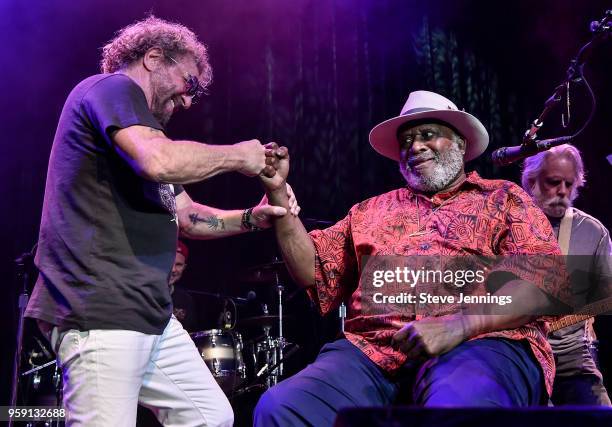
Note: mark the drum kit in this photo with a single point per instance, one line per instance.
(241, 366)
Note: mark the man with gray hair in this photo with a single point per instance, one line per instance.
(553, 179)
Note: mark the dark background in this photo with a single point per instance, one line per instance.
(316, 76)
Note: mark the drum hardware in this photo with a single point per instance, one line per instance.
(272, 272)
(48, 389)
(248, 389)
(37, 379)
(281, 339)
(266, 320)
(251, 295)
(342, 315)
(25, 267)
(266, 372)
(228, 317)
(267, 351)
(38, 368)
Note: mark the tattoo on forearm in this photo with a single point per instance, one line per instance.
(213, 221)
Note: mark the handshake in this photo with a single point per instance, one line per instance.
(270, 162)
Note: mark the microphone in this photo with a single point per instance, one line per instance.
(507, 155)
(600, 26)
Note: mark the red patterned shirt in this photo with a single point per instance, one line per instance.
(486, 217)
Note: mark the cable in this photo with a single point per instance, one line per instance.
(593, 101)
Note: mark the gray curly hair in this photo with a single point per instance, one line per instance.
(132, 42)
(533, 166)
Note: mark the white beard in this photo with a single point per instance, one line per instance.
(447, 167)
(553, 206)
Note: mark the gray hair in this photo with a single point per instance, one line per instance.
(533, 166)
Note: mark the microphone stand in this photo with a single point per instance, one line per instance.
(600, 30)
(24, 265)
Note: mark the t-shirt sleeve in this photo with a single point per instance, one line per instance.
(602, 271)
(528, 248)
(335, 265)
(117, 102)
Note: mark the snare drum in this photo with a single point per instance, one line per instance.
(222, 352)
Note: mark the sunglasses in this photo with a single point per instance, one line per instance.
(193, 88)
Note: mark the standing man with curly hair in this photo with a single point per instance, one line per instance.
(113, 207)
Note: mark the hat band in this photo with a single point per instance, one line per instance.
(417, 110)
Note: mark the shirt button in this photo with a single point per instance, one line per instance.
(424, 246)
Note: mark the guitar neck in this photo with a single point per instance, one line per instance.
(586, 312)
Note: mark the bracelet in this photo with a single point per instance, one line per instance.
(246, 220)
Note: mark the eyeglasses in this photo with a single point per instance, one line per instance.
(424, 135)
(193, 88)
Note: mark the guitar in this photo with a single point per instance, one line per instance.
(588, 311)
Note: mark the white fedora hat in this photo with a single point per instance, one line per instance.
(420, 105)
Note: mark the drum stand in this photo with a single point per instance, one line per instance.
(24, 264)
(272, 347)
(57, 382)
(268, 352)
(266, 377)
(280, 340)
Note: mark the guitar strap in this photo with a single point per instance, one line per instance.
(565, 230)
(565, 234)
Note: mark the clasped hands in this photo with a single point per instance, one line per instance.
(274, 177)
(430, 336)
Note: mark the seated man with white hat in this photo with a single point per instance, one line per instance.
(444, 357)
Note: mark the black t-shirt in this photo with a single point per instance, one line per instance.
(183, 308)
(107, 236)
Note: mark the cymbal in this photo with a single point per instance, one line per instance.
(265, 273)
(276, 263)
(263, 320)
(316, 223)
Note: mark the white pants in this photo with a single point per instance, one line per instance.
(108, 372)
